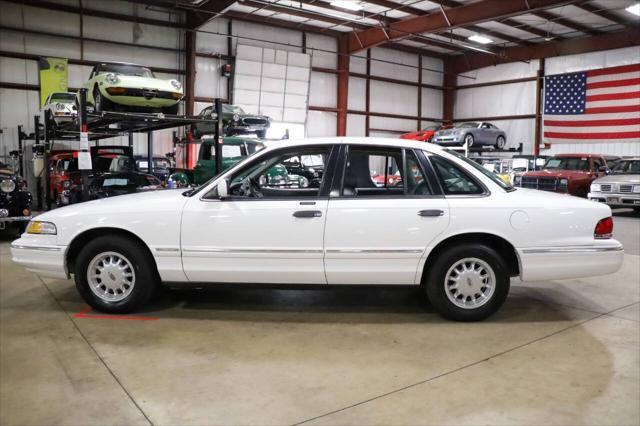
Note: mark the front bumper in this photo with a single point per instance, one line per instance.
(43, 259)
(144, 97)
(557, 263)
(616, 200)
(448, 140)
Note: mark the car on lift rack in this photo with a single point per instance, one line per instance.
(61, 107)
(472, 133)
(15, 199)
(161, 166)
(459, 233)
(234, 122)
(426, 134)
(116, 86)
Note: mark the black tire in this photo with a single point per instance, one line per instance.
(435, 284)
(146, 274)
(261, 134)
(500, 142)
(100, 103)
(469, 139)
(172, 110)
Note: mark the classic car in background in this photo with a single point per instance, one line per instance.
(567, 173)
(116, 85)
(425, 135)
(65, 177)
(234, 122)
(15, 199)
(621, 188)
(113, 184)
(472, 133)
(160, 169)
(61, 106)
(233, 150)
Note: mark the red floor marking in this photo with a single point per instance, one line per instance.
(85, 314)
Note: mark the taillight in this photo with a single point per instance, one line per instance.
(604, 228)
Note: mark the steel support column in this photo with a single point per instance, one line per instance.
(448, 93)
(539, 88)
(343, 85)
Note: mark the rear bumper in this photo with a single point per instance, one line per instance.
(45, 260)
(557, 263)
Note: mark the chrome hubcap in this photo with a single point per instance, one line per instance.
(469, 140)
(469, 283)
(111, 276)
(500, 142)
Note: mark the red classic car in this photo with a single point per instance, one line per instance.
(568, 173)
(424, 135)
(63, 176)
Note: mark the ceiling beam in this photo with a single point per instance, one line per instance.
(468, 14)
(606, 41)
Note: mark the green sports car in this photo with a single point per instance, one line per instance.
(115, 86)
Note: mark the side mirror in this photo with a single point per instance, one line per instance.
(604, 169)
(223, 189)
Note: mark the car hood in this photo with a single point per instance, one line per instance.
(166, 199)
(557, 174)
(144, 83)
(619, 179)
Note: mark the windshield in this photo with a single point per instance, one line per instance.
(62, 97)
(629, 167)
(431, 128)
(112, 163)
(232, 109)
(135, 70)
(567, 163)
(468, 125)
(495, 178)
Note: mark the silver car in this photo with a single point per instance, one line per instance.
(621, 188)
(472, 133)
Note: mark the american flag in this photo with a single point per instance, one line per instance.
(593, 106)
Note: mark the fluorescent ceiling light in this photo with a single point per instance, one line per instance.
(347, 4)
(634, 8)
(480, 39)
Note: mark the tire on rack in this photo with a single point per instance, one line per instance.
(500, 142)
(469, 140)
(172, 110)
(115, 274)
(100, 103)
(467, 282)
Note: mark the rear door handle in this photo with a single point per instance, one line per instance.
(307, 213)
(430, 213)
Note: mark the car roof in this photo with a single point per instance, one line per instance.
(120, 63)
(400, 143)
(578, 155)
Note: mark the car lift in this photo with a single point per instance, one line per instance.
(107, 124)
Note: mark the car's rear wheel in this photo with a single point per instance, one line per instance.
(115, 274)
(469, 140)
(500, 142)
(468, 282)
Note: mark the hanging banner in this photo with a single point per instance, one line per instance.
(54, 77)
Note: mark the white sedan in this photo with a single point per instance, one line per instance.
(443, 223)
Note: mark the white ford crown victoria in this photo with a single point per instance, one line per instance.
(369, 211)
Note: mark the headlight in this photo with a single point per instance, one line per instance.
(60, 107)
(7, 185)
(111, 78)
(595, 187)
(66, 184)
(236, 117)
(37, 227)
(636, 188)
(176, 84)
(564, 182)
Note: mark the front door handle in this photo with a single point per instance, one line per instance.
(307, 213)
(430, 213)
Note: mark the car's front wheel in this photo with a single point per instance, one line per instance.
(468, 282)
(500, 142)
(100, 103)
(469, 140)
(115, 274)
(172, 110)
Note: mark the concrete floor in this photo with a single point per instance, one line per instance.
(565, 352)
